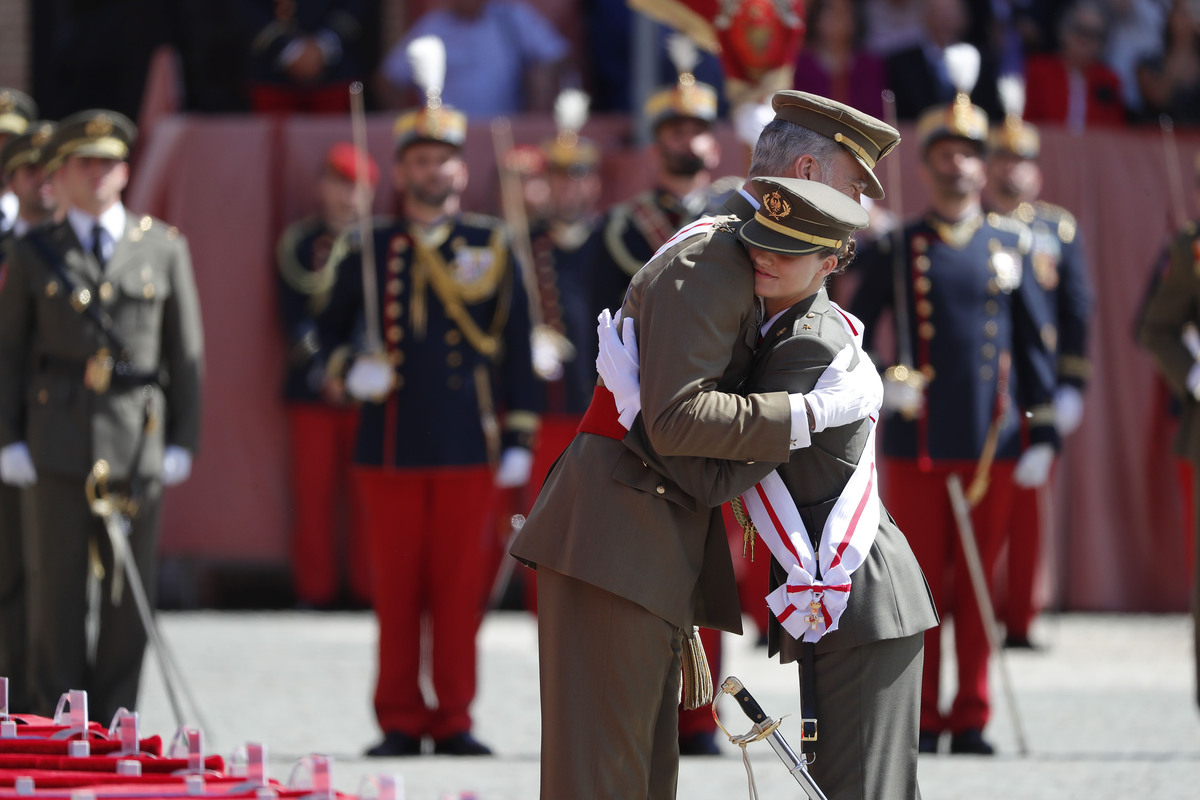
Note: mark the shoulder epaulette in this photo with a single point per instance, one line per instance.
(475, 220)
(1059, 216)
(1013, 225)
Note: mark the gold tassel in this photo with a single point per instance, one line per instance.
(697, 680)
(749, 532)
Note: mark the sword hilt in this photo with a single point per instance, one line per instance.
(749, 705)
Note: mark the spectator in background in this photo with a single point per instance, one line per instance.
(1170, 81)
(505, 56)
(1136, 34)
(304, 54)
(918, 74)
(1073, 86)
(892, 25)
(833, 63)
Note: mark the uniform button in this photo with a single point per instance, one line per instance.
(81, 299)
(106, 291)
(43, 397)
(990, 328)
(809, 315)
(921, 263)
(393, 334)
(988, 351)
(748, 463)
(923, 284)
(454, 359)
(454, 382)
(453, 337)
(396, 357)
(925, 330)
(148, 291)
(991, 307)
(660, 489)
(51, 288)
(924, 308)
(394, 266)
(929, 372)
(394, 286)
(993, 287)
(985, 373)
(393, 311)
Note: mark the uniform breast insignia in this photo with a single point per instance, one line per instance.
(471, 264)
(1007, 267)
(1046, 255)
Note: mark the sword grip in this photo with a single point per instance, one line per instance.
(740, 693)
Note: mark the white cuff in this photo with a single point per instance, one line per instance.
(1193, 380)
(801, 433)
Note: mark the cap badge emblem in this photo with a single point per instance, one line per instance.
(99, 127)
(775, 206)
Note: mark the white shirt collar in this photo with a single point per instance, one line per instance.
(112, 220)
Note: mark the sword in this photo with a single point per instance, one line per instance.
(966, 535)
(766, 728)
(116, 512)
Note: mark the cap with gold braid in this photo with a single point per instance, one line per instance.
(17, 110)
(688, 98)
(98, 133)
(568, 150)
(960, 119)
(867, 138)
(1014, 135)
(798, 217)
(433, 122)
(26, 148)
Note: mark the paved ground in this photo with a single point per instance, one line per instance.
(1108, 709)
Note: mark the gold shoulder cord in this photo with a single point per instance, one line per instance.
(614, 240)
(305, 281)
(454, 295)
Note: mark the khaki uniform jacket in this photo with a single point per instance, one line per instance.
(148, 290)
(607, 515)
(1173, 304)
(889, 598)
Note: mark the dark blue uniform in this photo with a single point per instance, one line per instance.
(982, 337)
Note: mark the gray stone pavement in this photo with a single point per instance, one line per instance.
(1108, 709)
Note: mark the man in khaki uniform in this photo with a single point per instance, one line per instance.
(628, 562)
(19, 169)
(1167, 330)
(100, 360)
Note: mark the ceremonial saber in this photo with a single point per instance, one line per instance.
(966, 536)
(767, 728)
(513, 204)
(358, 124)
(112, 511)
(904, 353)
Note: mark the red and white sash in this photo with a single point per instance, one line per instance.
(806, 606)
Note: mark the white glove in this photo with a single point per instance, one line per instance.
(177, 465)
(1033, 467)
(617, 364)
(515, 464)
(16, 466)
(903, 397)
(547, 361)
(1068, 409)
(1193, 380)
(843, 396)
(369, 378)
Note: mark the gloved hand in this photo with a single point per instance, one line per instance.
(16, 466)
(1033, 467)
(369, 378)
(515, 464)
(177, 465)
(842, 396)
(903, 397)
(1068, 409)
(1193, 380)
(617, 364)
(547, 361)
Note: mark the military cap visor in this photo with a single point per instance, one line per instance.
(97, 133)
(867, 138)
(26, 148)
(685, 100)
(440, 124)
(1015, 136)
(958, 120)
(798, 217)
(17, 110)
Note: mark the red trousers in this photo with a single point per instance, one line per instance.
(425, 533)
(921, 506)
(1024, 563)
(322, 441)
(277, 98)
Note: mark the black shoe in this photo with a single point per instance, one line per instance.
(927, 741)
(971, 741)
(1015, 642)
(396, 743)
(699, 744)
(461, 744)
